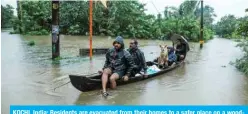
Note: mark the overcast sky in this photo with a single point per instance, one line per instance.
(221, 7)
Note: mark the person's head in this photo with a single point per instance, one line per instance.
(170, 49)
(179, 41)
(133, 43)
(118, 43)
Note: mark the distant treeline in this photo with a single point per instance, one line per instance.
(126, 18)
(232, 27)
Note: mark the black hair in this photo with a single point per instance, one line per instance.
(135, 41)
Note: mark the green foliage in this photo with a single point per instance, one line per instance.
(208, 34)
(186, 20)
(226, 26)
(41, 32)
(231, 27)
(31, 43)
(126, 18)
(58, 58)
(242, 63)
(14, 32)
(7, 14)
(208, 16)
(33, 17)
(243, 26)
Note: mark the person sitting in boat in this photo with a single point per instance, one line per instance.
(138, 58)
(171, 56)
(181, 50)
(117, 64)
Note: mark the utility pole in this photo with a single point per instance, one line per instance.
(55, 29)
(19, 14)
(90, 26)
(201, 37)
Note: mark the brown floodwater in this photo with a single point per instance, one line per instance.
(29, 76)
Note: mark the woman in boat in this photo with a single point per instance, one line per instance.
(117, 64)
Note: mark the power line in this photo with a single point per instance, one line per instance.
(154, 6)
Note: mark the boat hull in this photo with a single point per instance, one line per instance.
(89, 83)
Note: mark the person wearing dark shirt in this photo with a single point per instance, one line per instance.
(181, 50)
(138, 58)
(118, 65)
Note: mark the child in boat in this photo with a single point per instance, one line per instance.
(171, 56)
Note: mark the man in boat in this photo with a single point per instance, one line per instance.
(181, 50)
(138, 58)
(118, 65)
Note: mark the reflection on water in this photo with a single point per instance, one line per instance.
(29, 76)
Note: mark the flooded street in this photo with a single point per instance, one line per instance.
(29, 76)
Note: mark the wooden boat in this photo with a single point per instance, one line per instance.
(89, 83)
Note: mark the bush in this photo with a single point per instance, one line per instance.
(208, 34)
(31, 43)
(14, 32)
(41, 32)
(74, 30)
(242, 64)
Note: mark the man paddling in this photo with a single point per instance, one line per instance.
(118, 63)
(138, 57)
